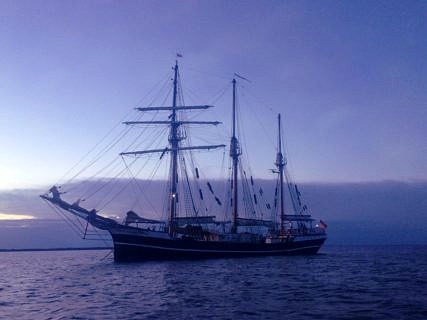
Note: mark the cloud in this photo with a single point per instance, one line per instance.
(361, 213)
(387, 201)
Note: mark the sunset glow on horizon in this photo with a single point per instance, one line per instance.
(9, 216)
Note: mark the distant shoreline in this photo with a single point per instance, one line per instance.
(55, 249)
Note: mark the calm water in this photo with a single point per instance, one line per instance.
(341, 283)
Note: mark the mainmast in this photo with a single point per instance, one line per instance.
(234, 154)
(280, 164)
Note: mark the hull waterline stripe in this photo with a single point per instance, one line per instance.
(215, 251)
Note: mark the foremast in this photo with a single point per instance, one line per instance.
(175, 137)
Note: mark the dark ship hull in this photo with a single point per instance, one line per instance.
(138, 244)
(134, 247)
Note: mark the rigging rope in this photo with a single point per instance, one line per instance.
(162, 79)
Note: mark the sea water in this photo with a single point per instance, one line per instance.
(348, 282)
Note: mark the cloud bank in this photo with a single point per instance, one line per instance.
(386, 212)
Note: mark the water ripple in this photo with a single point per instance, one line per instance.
(341, 283)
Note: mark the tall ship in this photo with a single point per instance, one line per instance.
(195, 221)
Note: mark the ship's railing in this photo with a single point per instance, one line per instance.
(305, 231)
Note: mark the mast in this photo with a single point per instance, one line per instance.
(173, 140)
(234, 154)
(280, 164)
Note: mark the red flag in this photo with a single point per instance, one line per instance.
(178, 55)
(322, 224)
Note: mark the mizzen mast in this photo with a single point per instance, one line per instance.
(280, 164)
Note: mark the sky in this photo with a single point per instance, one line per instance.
(349, 77)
